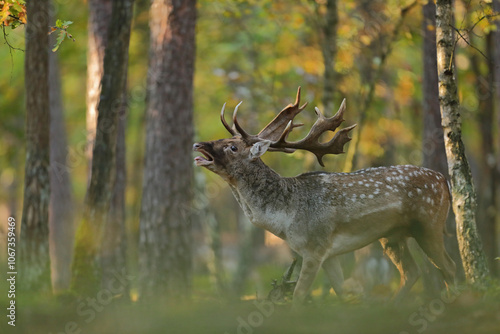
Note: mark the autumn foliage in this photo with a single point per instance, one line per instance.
(12, 13)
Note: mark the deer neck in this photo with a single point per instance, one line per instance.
(261, 192)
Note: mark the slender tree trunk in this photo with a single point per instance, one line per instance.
(165, 256)
(210, 228)
(462, 188)
(486, 217)
(434, 154)
(98, 27)
(61, 219)
(328, 26)
(329, 51)
(496, 98)
(496, 79)
(34, 239)
(114, 247)
(87, 272)
(113, 253)
(246, 254)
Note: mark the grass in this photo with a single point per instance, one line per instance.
(466, 312)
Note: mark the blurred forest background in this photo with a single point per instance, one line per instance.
(376, 54)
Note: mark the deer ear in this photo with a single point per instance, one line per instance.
(259, 148)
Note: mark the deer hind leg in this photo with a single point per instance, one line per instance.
(308, 272)
(433, 245)
(398, 252)
(335, 274)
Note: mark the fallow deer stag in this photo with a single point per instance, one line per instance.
(322, 215)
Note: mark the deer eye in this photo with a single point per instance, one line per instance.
(233, 148)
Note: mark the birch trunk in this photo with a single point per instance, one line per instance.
(329, 50)
(462, 187)
(434, 153)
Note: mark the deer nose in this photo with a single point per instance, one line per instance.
(196, 146)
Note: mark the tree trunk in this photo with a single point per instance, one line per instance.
(114, 246)
(113, 253)
(61, 219)
(496, 98)
(98, 27)
(209, 227)
(165, 255)
(434, 154)
(329, 51)
(246, 254)
(462, 188)
(34, 238)
(486, 218)
(86, 265)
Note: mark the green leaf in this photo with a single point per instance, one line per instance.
(59, 40)
(17, 6)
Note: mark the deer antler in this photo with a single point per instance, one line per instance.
(280, 127)
(275, 128)
(231, 130)
(311, 141)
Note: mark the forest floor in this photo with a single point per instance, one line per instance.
(464, 312)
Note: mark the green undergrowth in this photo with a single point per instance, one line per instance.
(465, 311)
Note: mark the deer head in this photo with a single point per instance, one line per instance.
(225, 156)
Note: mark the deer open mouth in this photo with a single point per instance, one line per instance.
(204, 160)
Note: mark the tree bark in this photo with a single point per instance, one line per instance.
(114, 247)
(165, 255)
(34, 238)
(113, 253)
(61, 219)
(434, 154)
(329, 51)
(462, 188)
(496, 97)
(210, 228)
(98, 27)
(87, 272)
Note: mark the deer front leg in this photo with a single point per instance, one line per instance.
(308, 272)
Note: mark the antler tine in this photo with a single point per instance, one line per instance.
(275, 128)
(245, 135)
(311, 141)
(223, 120)
(340, 112)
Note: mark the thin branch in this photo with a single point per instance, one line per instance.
(482, 18)
(11, 47)
(468, 43)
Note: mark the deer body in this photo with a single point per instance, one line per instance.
(322, 215)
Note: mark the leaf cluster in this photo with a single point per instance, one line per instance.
(62, 28)
(12, 13)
